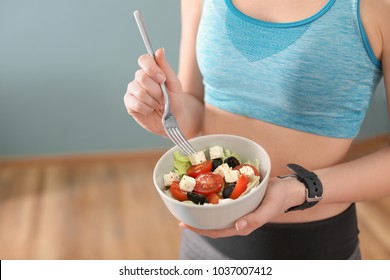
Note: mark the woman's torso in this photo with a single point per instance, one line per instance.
(285, 145)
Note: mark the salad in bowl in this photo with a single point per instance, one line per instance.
(216, 175)
(225, 180)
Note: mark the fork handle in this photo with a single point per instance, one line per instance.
(144, 34)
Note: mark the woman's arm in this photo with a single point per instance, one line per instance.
(189, 73)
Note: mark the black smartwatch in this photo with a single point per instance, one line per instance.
(312, 184)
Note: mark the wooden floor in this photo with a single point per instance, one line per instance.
(105, 207)
(89, 208)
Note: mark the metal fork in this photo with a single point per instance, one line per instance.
(168, 119)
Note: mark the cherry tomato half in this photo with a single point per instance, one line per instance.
(257, 173)
(207, 183)
(213, 198)
(198, 169)
(240, 187)
(177, 192)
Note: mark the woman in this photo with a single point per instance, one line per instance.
(296, 77)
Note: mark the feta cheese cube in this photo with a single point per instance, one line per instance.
(170, 177)
(216, 152)
(197, 158)
(222, 169)
(187, 183)
(227, 173)
(231, 175)
(247, 171)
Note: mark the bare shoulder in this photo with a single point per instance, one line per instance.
(190, 16)
(191, 8)
(381, 10)
(383, 14)
(376, 21)
(376, 13)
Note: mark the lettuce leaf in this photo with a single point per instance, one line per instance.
(180, 163)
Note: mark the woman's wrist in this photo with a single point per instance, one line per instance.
(312, 186)
(295, 192)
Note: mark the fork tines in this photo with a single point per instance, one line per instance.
(177, 137)
(174, 133)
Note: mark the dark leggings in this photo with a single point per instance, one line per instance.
(333, 238)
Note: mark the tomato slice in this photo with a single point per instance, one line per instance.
(208, 182)
(257, 173)
(240, 187)
(198, 169)
(213, 198)
(177, 192)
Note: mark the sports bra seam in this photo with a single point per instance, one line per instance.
(366, 42)
(297, 23)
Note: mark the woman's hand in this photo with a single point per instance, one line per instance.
(281, 194)
(144, 99)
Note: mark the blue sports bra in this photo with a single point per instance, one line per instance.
(315, 75)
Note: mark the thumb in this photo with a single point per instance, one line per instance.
(171, 81)
(262, 215)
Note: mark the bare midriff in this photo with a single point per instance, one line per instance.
(284, 145)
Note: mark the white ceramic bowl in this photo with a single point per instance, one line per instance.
(218, 216)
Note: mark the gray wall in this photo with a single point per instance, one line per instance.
(65, 65)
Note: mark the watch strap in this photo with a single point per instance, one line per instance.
(312, 184)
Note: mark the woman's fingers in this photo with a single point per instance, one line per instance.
(271, 206)
(148, 64)
(172, 81)
(153, 88)
(257, 218)
(135, 106)
(144, 94)
(231, 231)
(138, 100)
(159, 70)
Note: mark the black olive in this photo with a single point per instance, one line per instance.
(228, 189)
(196, 198)
(232, 162)
(216, 162)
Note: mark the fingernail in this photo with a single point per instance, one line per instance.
(240, 225)
(160, 77)
(181, 224)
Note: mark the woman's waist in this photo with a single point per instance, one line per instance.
(284, 145)
(317, 213)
